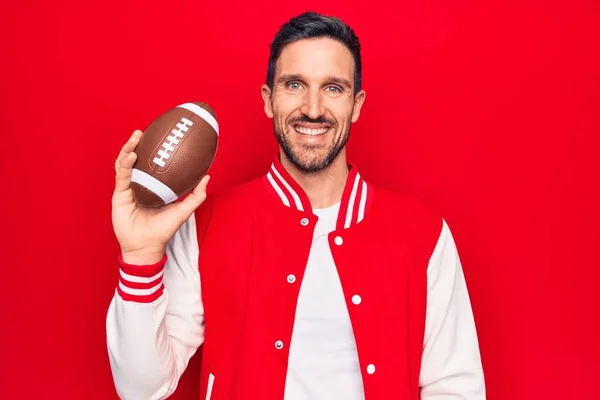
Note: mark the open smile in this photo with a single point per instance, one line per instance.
(312, 129)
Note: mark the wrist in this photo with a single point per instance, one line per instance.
(142, 257)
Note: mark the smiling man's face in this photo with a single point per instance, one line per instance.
(313, 102)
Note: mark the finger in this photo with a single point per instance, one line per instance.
(194, 199)
(123, 175)
(127, 148)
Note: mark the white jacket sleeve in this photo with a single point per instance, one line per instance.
(155, 322)
(451, 365)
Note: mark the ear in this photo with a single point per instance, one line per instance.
(266, 95)
(359, 99)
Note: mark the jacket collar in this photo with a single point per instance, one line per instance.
(355, 202)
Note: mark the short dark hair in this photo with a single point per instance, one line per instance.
(313, 25)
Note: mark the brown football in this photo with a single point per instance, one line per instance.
(174, 154)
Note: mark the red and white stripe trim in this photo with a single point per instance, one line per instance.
(141, 283)
(355, 211)
(288, 190)
(354, 199)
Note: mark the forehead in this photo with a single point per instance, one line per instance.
(316, 57)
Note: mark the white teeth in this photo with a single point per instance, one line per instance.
(313, 132)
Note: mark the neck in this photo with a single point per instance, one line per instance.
(323, 188)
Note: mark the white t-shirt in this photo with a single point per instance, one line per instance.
(323, 360)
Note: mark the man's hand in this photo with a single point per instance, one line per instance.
(142, 232)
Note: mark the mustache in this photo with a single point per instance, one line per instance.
(307, 119)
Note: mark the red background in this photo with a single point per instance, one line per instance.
(485, 110)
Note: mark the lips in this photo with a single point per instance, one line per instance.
(317, 127)
(311, 131)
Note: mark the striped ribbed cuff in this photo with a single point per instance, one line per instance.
(141, 283)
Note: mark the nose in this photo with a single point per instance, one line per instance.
(313, 104)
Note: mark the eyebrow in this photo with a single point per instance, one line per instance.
(331, 79)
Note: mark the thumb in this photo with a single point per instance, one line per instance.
(195, 198)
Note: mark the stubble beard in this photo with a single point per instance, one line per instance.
(304, 158)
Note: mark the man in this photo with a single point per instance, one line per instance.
(308, 283)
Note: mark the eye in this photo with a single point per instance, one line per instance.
(293, 85)
(334, 89)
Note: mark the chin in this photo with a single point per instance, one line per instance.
(310, 163)
(309, 156)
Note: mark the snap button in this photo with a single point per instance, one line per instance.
(356, 299)
(370, 369)
(279, 345)
(291, 278)
(304, 221)
(338, 240)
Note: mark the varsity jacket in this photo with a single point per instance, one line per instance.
(230, 282)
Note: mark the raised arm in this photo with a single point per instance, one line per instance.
(155, 320)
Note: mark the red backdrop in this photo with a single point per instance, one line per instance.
(485, 110)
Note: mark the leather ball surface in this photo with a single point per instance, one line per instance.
(174, 154)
